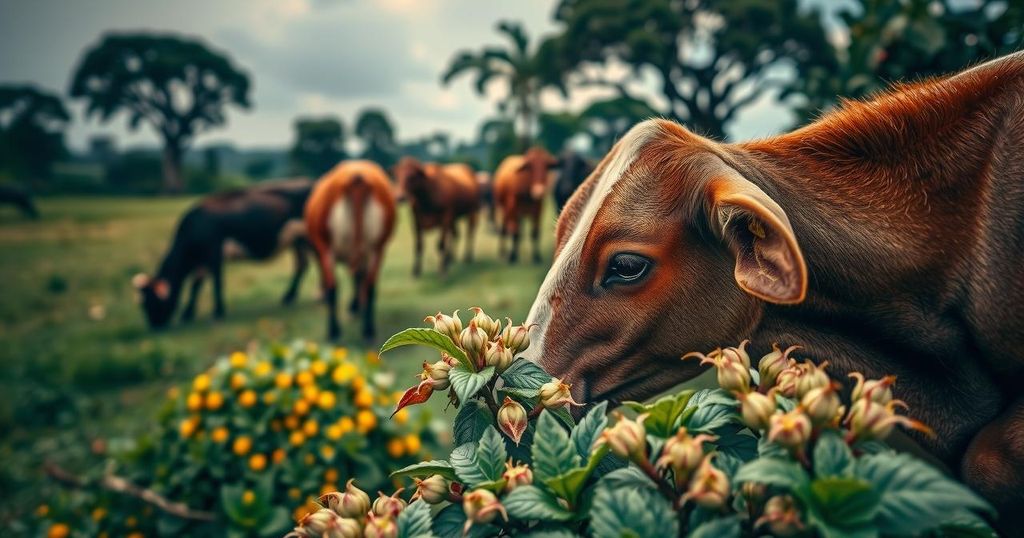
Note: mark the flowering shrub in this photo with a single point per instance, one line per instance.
(773, 451)
(253, 441)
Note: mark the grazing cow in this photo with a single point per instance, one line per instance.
(9, 194)
(573, 168)
(254, 223)
(887, 237)
(439, 195)
(350, 217)
(520, 183)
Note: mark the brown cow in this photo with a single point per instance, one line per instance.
(350, 217)
(439, 195)
(519, 186)
(887, 237)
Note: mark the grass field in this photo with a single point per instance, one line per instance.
(77, 362)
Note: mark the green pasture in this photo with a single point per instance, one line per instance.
(79, 369)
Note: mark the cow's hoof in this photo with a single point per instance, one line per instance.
(288, 300)
(333, 333)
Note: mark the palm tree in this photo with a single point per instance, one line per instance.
(523, 71)
(375, 130)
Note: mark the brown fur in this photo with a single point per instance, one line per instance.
(906, 213)
(520, 183)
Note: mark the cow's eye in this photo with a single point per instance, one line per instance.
(625, 268)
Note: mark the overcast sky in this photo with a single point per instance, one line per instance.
(304, 56)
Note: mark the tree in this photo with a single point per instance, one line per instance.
(556, 129)
(712, 58)
(499, 136)
(319, 145)
(523, 72)
(32, 123)
(606, 121)
(377, 134)
(175, 84)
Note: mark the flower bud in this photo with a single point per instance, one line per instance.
(782, 516)
(436, 375)
(512, 419)
(323, 522)
(757, 409)
(353, 503)
(498, 356)
(774, 363)
(432, 489)
(474, 339)
(871, 420)
(450, 326)
(516, 475)
(380, 527)
(481, 506)
(627, 438)
(683, 453)
(517, 337)
(753, 492)
(790, 430)
(490, 326)
(555, 394)
(733, 374)
(822, 404)
(738, 354)
(709, 487)
(346, 528)
(876, 390)
(785, 382)
(385, 506)
(814, 377)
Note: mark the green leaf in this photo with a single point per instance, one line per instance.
(569, 485)
(521, 394)
(832, 457)
(414, 521)
(530, 502)
(627, 477)
(552, 453)
(466, 383)
(841, 505)
(465, 460)
(587, 431)
(430, 338)
(448, 523)
(473, 419)
(524, 374)
(712, 409)
(915, 497)
(969, 525)
(631, 512)
(549, 533)
(427, 468)
(773, 472)
(490, 453)
(726, 527)
(663, 413)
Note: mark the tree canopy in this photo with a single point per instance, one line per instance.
(377, 133)
(319, 145)
(32, 123)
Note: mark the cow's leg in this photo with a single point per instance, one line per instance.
(994, 466)
(470, 234)
(217, 274)
(369, 294)
(417, 256)
(535, 235)
(512, 223)
(299, 250)
(329, 287)
(444, 244)
(357, 286)
(189, 313)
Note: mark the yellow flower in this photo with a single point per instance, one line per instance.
(383, 399)
(219, 435)
(340, 353)
(300, 512)
(283, 380)
(310, 428)
(358, 382)
(331, 475)
(269, 397)
(42, 510)
(401, 417)
(346, 424)
(310, 393)
(296, 438)
(201, 382)
(311, 348)
(194, 402)
(238, 359)
(328, 488)
(263, 368)
(304, 379)
(396, 448)
(188, 427)
(238, 380)
(275, 425)
(364, 398)
(291, 422)
(242, 445)
(327, 452)
(131, 521)
(344, 374)
(257, 462)
(278, 455)
(248, 497)
(136, 534)
(58, 530)
(214, 400)
(326, 400)
(372, 357)
(412, 443)
(365, 421)
(333, 432)
(247, 398)
(173, 393)
(318, 368)
(308, 459)
(300, 408)
(99, 513)
(294, 493)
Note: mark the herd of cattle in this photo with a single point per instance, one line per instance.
(348, 217)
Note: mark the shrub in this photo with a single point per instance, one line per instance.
(251, 443)
(773, 451)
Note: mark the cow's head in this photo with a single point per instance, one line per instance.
(537, 162)
(664, 249)
(409, 174)
(156, 298)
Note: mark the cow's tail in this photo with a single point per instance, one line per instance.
(358, 192)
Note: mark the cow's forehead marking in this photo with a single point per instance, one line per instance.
(569, 256)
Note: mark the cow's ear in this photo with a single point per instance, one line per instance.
(769, 263)
(162, 289)
(140, 280)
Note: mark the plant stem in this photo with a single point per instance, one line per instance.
(488, 395)
(652, 473)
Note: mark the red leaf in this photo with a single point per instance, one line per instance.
(416, 394)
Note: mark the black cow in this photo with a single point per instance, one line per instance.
(255, 223)
(573, 170)
(9, 194)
